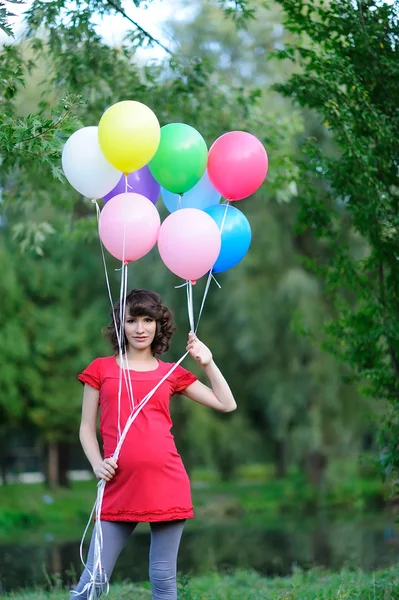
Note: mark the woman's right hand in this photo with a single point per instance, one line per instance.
(106, 469)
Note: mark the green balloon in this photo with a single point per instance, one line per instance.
(181, 158)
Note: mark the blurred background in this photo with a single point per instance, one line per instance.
(290, 478)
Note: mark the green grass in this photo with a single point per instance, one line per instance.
(23, 508)
(26, 513)
(312, 585)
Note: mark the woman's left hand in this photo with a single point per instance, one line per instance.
(198, 350)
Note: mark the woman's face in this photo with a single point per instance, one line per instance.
(140, 331)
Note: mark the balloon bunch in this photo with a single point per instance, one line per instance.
(129, 161)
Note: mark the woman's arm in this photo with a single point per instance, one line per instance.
(219, 396)
(103, 469)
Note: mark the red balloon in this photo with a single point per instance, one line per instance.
(237, 164)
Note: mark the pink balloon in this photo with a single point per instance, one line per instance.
(237, 164)
(129, 226)
(189, 243)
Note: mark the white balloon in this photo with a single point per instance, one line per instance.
(85, 166)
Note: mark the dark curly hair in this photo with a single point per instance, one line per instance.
(143, 303)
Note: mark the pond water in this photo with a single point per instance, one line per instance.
(369, 543)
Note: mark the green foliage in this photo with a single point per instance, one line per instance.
(291, 391)
(291, 396)
(5, 15)
(239, 10)
(45, 333)
(35, 135)
(14, 520)
(348, 58)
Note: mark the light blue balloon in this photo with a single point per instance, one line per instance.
(235, 233)
(202, 195)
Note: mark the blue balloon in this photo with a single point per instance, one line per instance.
(236, 235)
(202, 195)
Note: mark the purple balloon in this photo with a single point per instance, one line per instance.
(139, 182)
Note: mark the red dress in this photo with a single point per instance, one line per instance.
(151, 483)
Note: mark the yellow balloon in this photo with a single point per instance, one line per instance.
(129, 134)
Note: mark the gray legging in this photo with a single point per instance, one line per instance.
(165, 540)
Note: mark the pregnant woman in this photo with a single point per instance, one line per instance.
(148, 483)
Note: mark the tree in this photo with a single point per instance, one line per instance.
(348, 58)
(285, 386)
(49, 328)
(63, 44)
(288, 388)
(83, 75)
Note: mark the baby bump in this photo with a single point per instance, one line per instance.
(147, 452)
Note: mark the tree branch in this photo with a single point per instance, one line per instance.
(52, 126)
(360, 9)
(120, 10)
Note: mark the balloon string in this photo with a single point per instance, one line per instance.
(224, 217)
(117, 330)
(98, 576)
(139, 407)
(122, 313)
(119, 333)
(123, 355)
(126, 184)
(126, 372)
(216, 281)
(190, 305)
(210, 275)
(98, 539)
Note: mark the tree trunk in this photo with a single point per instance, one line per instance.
(3, 473)
(56, 561)
(225, 463)
(280, 458)
(64, 455)
(316, 464)
(321, 540)
(52, 470)
(5, 456)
